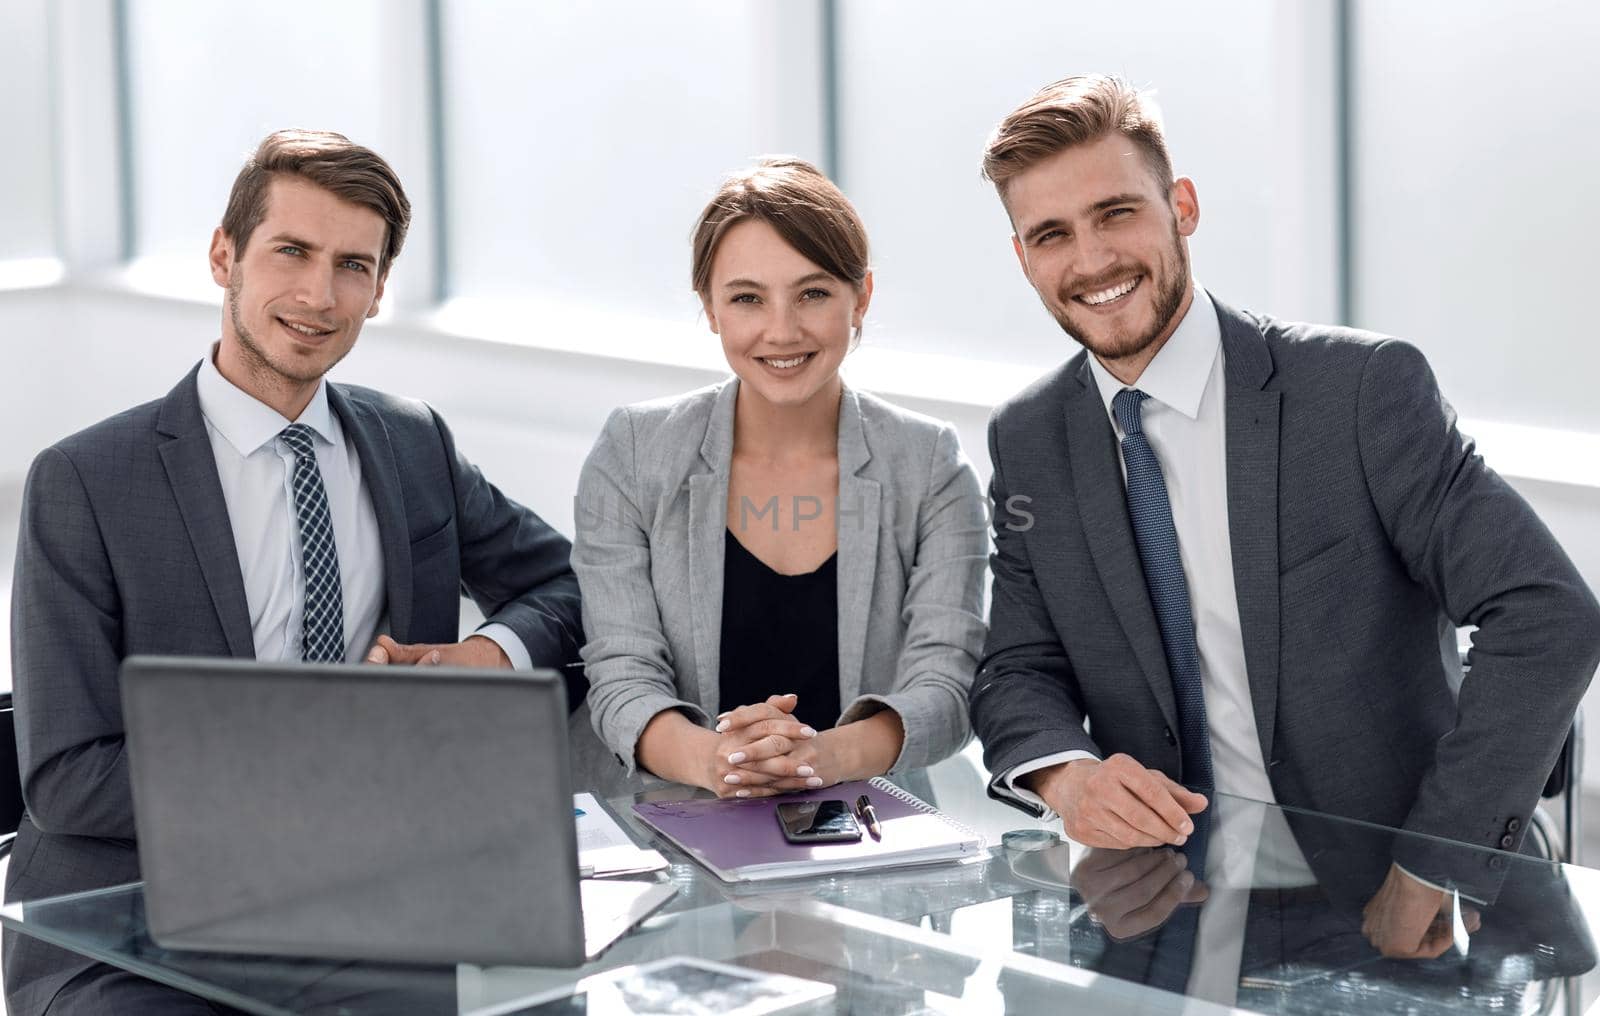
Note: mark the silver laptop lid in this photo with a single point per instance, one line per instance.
(416, 814)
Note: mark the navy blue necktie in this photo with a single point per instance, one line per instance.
(322, 624)
(1157, 538)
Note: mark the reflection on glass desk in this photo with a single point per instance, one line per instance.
(1057, 928)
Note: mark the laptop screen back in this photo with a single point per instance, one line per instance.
(409, 814)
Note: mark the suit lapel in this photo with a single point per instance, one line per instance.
(381, 475)
(859, 499)
(708, 525)
(191, 468)
(1103, 507)
(1252, 441)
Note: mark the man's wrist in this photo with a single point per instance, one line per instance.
(1040, 780)
(488, 652)
(1051, 784)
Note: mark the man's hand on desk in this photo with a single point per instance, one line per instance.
(1133, 892)
(1409, 920)
(474, 651)
(1117, 803)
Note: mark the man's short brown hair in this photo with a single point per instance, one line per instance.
(1076, 111)
(331, 161)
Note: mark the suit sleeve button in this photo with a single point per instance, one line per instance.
(1513, 825)
(1507, 841)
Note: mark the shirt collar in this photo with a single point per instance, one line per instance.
(1177, 376)
(247, 423)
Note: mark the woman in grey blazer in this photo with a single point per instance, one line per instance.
(782, 577)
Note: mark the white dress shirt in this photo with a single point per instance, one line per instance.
(256, 470)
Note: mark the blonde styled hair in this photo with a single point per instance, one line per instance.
(1071, 112)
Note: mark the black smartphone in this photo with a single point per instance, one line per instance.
(818, 822)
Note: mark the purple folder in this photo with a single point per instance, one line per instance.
(740, 840)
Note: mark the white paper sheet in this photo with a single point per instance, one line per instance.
(605, 846)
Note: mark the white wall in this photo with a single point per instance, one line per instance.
(526, 415)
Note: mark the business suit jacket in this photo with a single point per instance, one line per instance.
(126, 548)
(652, 510)
(1364, 527)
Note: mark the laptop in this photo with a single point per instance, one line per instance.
(417, 814)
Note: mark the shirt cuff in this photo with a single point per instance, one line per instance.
(1439, 888)
(1021, 769)
(502, 636)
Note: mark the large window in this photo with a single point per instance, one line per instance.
(583, 139)
(27, 195)
(566, 149)
(1247, 89)
(208, 80)
(1475, 148)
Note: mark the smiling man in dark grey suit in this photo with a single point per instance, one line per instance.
(1259, 594)
(255, 511)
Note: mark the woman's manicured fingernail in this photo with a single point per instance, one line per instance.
(736, 758)
(731, 778)
(807, 732)
(815, 781)
(741, 793)
(1182, 840)
(433, 657)
(722, 727)
(805, 771)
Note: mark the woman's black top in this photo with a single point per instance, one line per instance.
(780, 634)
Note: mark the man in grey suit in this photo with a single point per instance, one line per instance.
(1259, 594)
(257, 511)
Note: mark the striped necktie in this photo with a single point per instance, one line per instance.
(322, 624)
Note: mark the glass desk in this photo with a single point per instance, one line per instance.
(1054, 928)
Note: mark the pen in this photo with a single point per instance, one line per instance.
(870, 817)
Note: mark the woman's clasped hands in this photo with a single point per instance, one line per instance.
(762, 749)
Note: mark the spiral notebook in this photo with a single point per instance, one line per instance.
(740, 840)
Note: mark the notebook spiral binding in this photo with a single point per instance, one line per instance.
(882, 785)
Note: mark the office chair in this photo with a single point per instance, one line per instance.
(10, 776)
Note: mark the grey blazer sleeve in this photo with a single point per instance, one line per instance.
(629, 663)
(1025, 700)
(66, 620)
(942, 613)
(1462, 532)
(517, 569)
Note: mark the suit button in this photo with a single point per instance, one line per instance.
(1168, 732)
(1497, 863)
(1513, 825)
(1507, 841)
